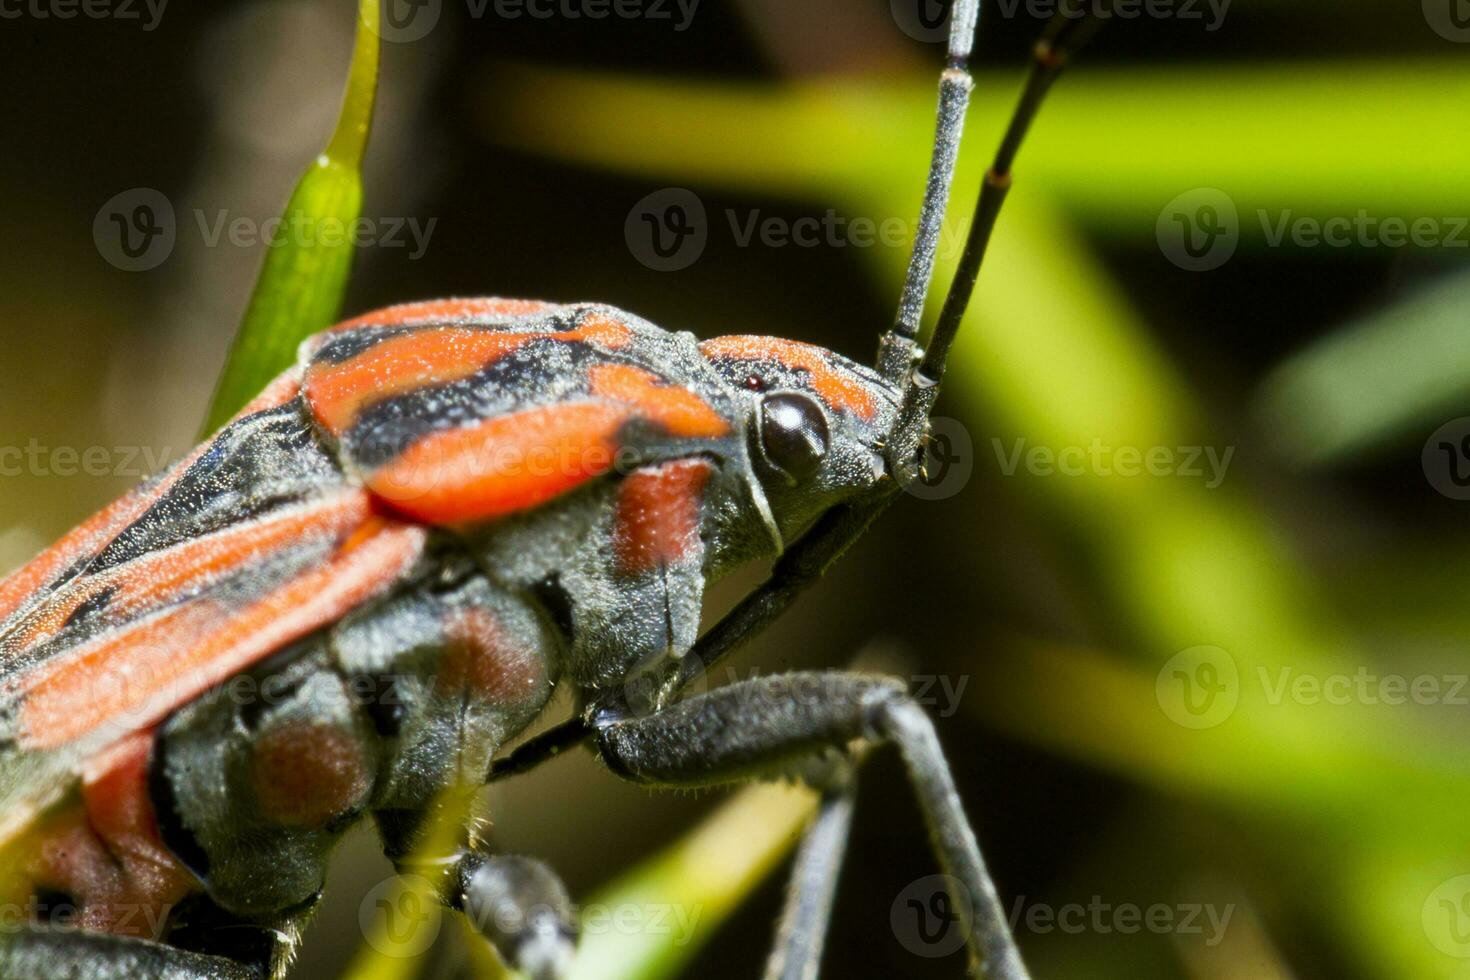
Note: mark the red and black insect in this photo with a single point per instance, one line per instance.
(349, 599)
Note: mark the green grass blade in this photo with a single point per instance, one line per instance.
(692, 886)
(301, 285)
(1398, 373)
(1116, 146)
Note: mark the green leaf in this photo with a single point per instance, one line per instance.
(1115, 145)
(301, 285)
(693, 886)
(1396, 372)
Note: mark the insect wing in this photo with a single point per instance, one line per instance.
(178, 587)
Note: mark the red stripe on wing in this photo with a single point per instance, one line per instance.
(134, 588)
(133, 677)
(440, 310)
(17, 589)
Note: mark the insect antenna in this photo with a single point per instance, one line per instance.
(1068, 31)
(955, 84)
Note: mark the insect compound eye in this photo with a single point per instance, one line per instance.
(793, 434)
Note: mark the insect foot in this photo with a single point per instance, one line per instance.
(522, 908)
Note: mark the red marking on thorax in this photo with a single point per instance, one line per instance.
(107, 853)
(658, 515)
(511, 463)
(835, 388)
(679, 410)
(501, 465)
(337, 392)
(94, 534)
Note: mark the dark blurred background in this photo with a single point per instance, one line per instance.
(219, 107)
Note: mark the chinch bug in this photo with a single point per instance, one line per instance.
(349, 599)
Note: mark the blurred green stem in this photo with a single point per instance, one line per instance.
(304, 277)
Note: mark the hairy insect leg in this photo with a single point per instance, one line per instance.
(518, 904)
(802, 934)
(70, 954)
(772, 726)
(521, 907)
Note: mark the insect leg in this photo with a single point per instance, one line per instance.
(70, 954)
(803, 931)
(517, 903)
(773, 726)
